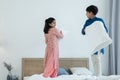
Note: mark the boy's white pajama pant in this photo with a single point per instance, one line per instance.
(96, 60)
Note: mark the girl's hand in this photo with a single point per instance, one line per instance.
(61, 32)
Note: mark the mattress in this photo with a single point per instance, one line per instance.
(73, 77)
(26, 78)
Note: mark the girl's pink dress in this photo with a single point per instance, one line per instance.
(51, 60)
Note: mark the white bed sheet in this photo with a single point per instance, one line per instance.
(26, 78)
(73, 77)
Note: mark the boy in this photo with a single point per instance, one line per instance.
(91, 12)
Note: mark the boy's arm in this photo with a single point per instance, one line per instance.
(104, 25)
(102, 50)
(83, 29)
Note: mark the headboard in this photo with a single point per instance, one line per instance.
(32, 66)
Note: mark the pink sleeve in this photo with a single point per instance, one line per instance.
(57, 33)
(45, 38)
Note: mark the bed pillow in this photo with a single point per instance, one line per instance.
(97, 36)
(62, 71)
(80, 71)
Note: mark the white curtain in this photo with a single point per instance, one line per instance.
(114, 55)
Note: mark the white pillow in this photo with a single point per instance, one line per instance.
(97, 37)
(80, 71)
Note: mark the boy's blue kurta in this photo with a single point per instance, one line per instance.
(89, 22)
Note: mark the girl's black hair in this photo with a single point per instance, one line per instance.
(47, 26)
(93, 9)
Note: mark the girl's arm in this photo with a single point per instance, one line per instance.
(46, 38)
(58, 33)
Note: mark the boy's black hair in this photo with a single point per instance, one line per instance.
(93, 9)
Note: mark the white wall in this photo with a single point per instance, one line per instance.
(22, 22)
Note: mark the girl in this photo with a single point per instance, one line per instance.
(51, 60)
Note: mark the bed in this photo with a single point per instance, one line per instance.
(32, 69)
(32, 66)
